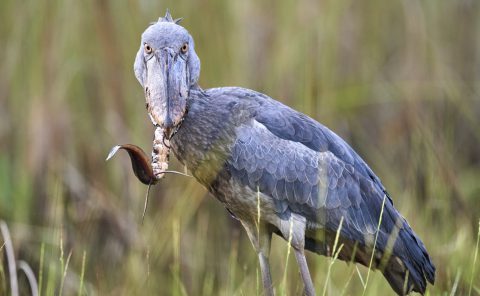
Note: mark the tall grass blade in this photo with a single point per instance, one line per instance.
(455, 283)
(82, 274)
(62, 260)
(12, 267)
(344, 290)
(40, 268)
(360, 276)
(374, 245)
(51, 280)
(32, 281)
(474, 261)
(405, 281)
(335, 253)
(146, 202)
(64, 275)
(3, 278)
(289, 248)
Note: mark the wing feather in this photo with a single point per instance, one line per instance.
(305, 168)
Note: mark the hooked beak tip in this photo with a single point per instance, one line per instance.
(168, 122)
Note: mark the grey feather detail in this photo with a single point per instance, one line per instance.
(280, 190)
(302, 180)
(167, 17)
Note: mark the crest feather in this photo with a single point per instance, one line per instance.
(168, 18)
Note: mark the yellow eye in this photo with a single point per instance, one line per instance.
(148, 48)
(184, 48)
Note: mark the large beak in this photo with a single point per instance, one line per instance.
(166, 88)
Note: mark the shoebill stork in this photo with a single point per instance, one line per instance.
(274, 169)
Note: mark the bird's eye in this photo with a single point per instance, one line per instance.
(148, 48)
(184, 48)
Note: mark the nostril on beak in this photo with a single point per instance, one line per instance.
(147, 91)
(170, 52)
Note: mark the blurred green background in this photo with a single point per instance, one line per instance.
(399, 80)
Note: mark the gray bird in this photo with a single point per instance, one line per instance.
(274, 169)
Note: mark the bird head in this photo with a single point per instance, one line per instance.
(167, 67)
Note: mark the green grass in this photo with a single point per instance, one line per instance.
(399, 80)
(335, 253)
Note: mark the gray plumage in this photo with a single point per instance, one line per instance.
(247, 148)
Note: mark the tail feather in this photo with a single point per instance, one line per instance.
(407, 269)
(410, 267)
(398, 277)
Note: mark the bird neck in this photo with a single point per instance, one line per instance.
(203, 140)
